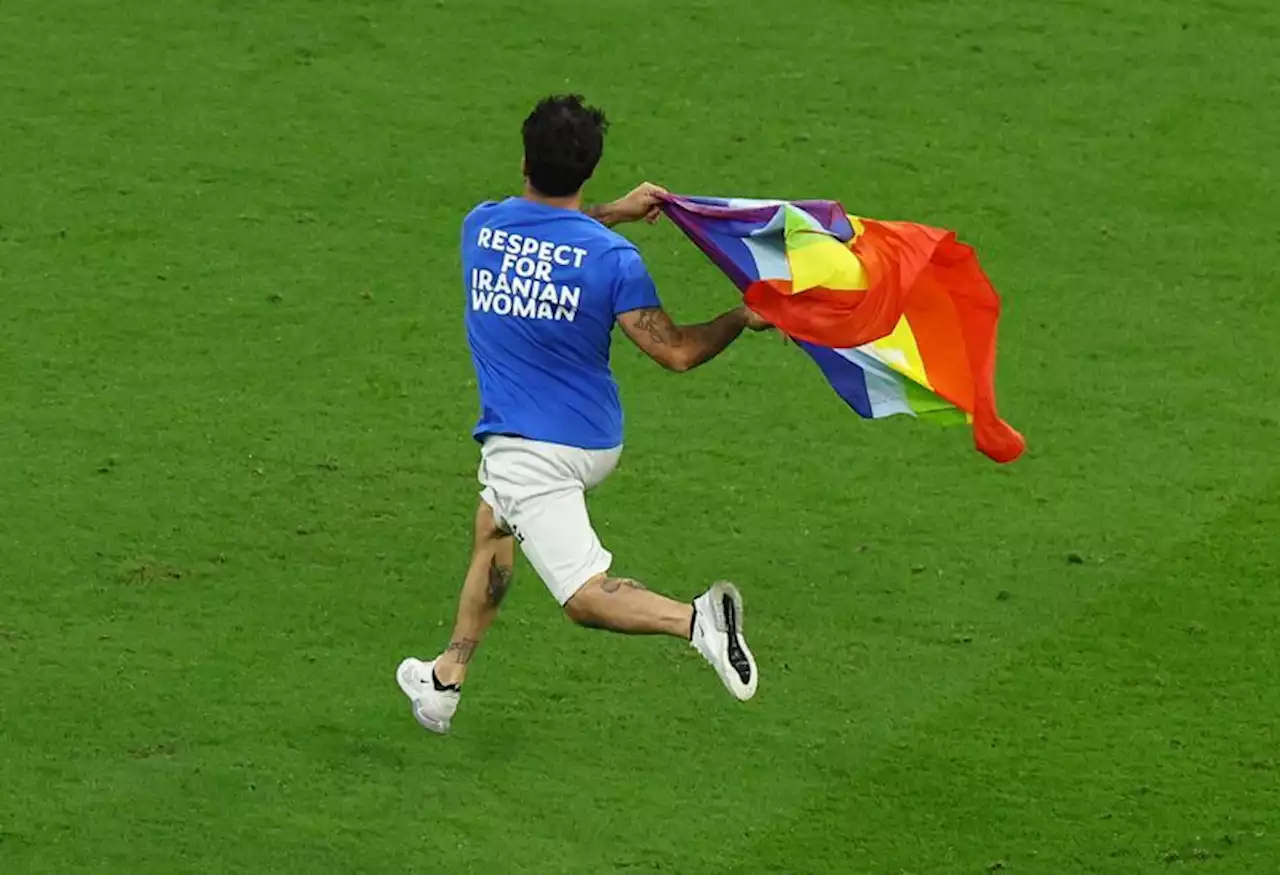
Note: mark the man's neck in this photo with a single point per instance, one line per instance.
(570, 202)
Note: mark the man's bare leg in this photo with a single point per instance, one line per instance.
(620, 604)
(487, 581)
(712, 624)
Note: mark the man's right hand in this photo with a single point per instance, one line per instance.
(755, 322)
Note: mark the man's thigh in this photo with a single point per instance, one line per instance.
(538, 493)
(556, 536)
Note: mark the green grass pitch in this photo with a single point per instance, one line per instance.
(236, 478)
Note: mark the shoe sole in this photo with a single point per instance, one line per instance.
(406, 687)
(726, 602)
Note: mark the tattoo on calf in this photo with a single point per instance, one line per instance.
(462, 649)
(499, 582)
(613, 584)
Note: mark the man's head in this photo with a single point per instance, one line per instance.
(563, 142)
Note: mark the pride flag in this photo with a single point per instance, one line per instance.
(899, 317)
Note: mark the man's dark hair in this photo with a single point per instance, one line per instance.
(563, 142)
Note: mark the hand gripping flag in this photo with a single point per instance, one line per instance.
(899, 317)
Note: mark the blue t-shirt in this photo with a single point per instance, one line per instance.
(543, 286)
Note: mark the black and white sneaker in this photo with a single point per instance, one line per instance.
(718, 635)
(433, 705)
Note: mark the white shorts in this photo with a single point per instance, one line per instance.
(538, 493)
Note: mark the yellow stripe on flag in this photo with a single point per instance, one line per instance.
(899, 351)
(818, 260)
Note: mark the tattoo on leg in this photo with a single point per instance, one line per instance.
(462, 649)
(499, 582)
(613, 584)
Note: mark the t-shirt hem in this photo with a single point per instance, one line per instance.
(480, 435)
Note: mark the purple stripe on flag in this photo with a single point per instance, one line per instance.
(848, 380)
(718, 229)
(831, 215)
(729, 254)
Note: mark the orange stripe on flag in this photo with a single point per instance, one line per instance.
(936, 282)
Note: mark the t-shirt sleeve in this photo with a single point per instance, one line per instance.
(633, 288)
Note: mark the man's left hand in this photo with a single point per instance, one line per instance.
(642, 202)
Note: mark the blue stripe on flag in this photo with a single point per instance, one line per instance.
(845, 377)
(886, 388)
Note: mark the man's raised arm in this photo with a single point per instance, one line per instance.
(642, 202)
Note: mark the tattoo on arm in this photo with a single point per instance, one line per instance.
(613, 584)
(654, 323)
(462, 649)
(682, 347)
(499, 582)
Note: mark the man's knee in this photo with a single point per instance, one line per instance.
(597, 601)
(493, 554)
(582, 607)
(488, 529)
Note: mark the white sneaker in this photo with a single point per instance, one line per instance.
(431, 707)
(718, 636)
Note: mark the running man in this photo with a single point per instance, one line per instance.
(545, 281)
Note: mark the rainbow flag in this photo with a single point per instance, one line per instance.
(899, 317)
